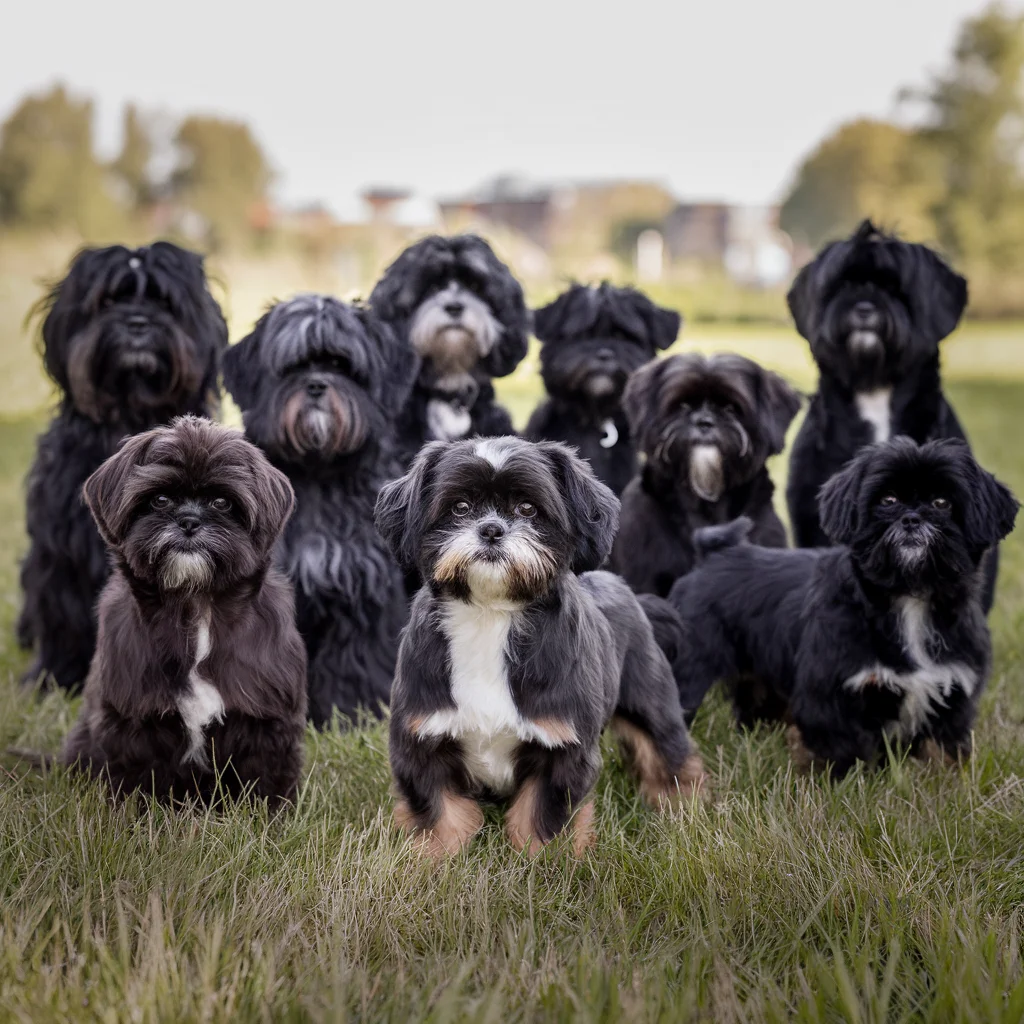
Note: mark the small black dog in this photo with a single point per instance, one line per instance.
(593, 339)
(199, 669)
(320, 384)
(883, 638)
(464, 314)
(706, 425)
(517, 655)
(874, 310)
(132, 338)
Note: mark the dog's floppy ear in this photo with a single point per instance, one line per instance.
(938, 294)
(240, 367)
(401, 510)
(989, 507)
(402, 362)
(573, 312)
(839, 500)
(104, 491)
(274, 500)
(592, 507)
(510, 348)
(778, 404)
(665, 325)
(638, 402)
(802, 299)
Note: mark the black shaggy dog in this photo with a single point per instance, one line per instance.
(874, 310)
(880, 639)
(320, 384)
(517, 654)
(463, 312)
(593, 339)
(199, 671)
(706, 426)
(131, 338)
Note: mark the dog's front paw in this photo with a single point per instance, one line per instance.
(460, 819)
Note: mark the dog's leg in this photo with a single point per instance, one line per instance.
(553, 795)
(261, 755)
(949, 741)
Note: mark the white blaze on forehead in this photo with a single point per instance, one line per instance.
(201, 703)
(875, 409)
(494, 450)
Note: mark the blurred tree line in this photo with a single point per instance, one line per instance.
(954, 178)
(205, 179)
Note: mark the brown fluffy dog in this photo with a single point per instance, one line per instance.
(199, 671)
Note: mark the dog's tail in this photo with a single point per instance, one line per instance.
(35, 758)
(718, 538)
(667, 623)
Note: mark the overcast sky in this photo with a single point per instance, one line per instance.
(717, 99)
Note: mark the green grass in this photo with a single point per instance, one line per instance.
(895, 895)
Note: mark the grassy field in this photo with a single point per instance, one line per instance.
(897, 895)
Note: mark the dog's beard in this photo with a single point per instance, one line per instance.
(110, 370)
(334, 426)
(911, 552)
(186, 570)
(454, 345)
(517, 568)
(707, 473)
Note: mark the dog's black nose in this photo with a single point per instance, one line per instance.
(491, 530)
(911, 520)
(137, 324)
(315, 388)
(703, 419)
(454, 309)
(864, 314)
(189, 524)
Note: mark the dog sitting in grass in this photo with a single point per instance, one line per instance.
(517, 653)
(198, 683)
(592, 339)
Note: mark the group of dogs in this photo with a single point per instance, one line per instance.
(379, 535)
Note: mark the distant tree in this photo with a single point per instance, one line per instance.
(132, 166)
(49, 175)
(222, 176)
(975, 122)
(864, 169)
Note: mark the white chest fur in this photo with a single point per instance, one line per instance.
(875, 409)
(446, 422)
(928, 685)
(201, 703)
(485, 718)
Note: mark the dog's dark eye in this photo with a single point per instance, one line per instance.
(525, 510)
(888, 501)
(220, 505)
(940, 503)
(461, 508)
(161, 501)
(339, 365)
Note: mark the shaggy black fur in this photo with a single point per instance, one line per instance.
(593, 339)
(320, 384)
(517, 654)
(199, 672)
(463, 312)
(131, 338)
(705, 425)
(874, 310)
(880, 639)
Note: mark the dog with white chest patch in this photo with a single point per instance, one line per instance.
(463, 313)
(874, 310)
(517, 653)
(199, 674)
(882, 638)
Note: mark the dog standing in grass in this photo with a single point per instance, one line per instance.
(592, 339)
(199, 671)
(517, 653)
(131, 338)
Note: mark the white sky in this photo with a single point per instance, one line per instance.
(717, 99)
